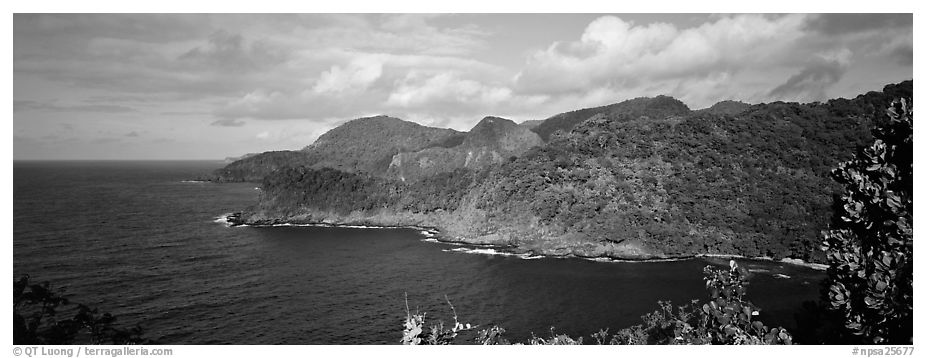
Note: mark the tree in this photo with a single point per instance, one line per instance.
(36, 309)
(870, 244)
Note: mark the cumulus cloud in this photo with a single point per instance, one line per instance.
(727, 57)
(617, 53)
(357, 76)
(455, 100)
(417, 90)
(268, 67)
(372, 83)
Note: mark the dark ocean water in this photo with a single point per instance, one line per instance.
(134, 239)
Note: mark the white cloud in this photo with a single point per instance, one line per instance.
(841, 56)
(742, 57)
(450, 99)
(419, 90)
(360, 83)
(263, 104)
(356, 76)
(617, 53)
(249, 104)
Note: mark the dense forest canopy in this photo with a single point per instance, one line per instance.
(659, 106)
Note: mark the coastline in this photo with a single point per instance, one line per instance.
(433, 234)
(233, 220)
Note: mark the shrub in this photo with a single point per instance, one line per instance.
(727, 318)
(415, 332)
(870, 244)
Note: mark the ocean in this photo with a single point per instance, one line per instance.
(140, 240)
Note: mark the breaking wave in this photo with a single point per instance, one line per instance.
(493, 252)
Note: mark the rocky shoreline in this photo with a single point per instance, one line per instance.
(434, 233)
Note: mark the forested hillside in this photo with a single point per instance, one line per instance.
(256, 167)
(368, 144)
(361, 145)
(396, 149)
(727, 107)
(492, 141)
(653, 107)
(653, 180)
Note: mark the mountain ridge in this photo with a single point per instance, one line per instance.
(335, 149)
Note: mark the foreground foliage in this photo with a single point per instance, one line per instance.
(36, 312)
(726, 318)
(870, 244)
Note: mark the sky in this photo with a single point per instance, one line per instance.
(183, 86)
